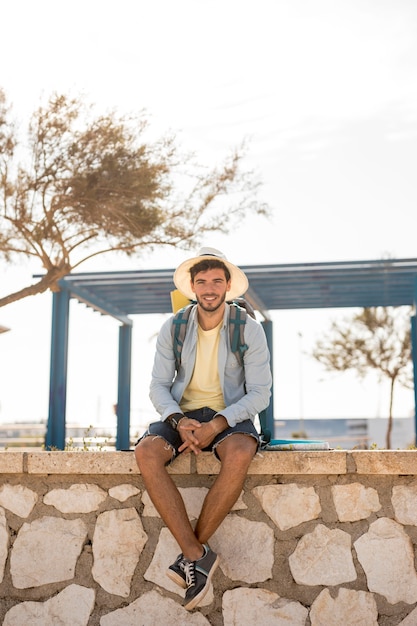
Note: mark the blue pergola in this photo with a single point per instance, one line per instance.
(391, 282)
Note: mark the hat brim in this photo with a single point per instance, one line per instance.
(238, 280)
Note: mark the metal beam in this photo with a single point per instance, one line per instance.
(255, 301)
(98, 304)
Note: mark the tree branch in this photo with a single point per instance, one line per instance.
(49, 281)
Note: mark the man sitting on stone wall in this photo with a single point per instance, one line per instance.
(208, 404)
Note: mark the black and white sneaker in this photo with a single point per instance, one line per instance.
(198, 575)
(176, 571)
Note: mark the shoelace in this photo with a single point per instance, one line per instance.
(189, 571)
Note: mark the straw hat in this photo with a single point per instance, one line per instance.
(182, 279)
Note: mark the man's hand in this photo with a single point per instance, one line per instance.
(198, 435)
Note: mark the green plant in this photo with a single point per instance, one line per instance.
(90, 443)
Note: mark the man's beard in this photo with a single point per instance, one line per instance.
(211, 307)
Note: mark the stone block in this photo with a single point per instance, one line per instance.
(299, 462)
(323, 557)
(153, 608)
(386, 554)
(46, 551)
(288, 505)
(385, 461)
(124, 492)
(348, 607)
(283, 462)
(118, 542)
(355, 501)
(240, 542)
(11, 462)
(82, 462)
(70, 607)
(404, 501)
(258, 606)
(78, 498)
(18, 499)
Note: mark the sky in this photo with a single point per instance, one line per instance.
(324, 93)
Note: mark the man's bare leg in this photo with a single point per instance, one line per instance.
(151, 455)
(236, 453)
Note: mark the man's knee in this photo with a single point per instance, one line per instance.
(140, 452)
(153, 450)
(238, 448)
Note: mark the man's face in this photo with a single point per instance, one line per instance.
(210, 289)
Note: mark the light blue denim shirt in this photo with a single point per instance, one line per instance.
(246, 391)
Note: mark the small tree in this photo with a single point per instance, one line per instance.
(87, 184)
(378, 338)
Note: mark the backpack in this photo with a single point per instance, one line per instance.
(239, 309)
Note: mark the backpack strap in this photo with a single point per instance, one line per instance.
(237, 321)
(265, 432)
(178, 331)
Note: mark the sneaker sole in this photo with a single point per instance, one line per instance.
(176, 578)
(195, 601)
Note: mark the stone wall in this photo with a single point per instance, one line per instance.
(316, 538)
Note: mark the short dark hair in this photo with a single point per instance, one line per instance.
(209, 264)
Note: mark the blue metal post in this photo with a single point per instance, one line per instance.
(267, 326)
(124, 383)
(55, 433)
(414, 356)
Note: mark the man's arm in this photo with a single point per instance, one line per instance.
(163, 373)
(258, 378)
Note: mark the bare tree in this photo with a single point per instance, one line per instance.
(86, 184)
(378, 338)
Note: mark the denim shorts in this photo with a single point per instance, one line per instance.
(173, 439)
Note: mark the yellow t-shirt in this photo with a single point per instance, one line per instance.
(204, 387)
